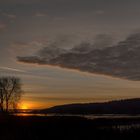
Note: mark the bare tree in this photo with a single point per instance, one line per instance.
(10, 92)
(1, 98)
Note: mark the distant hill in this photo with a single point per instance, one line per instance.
(128, 106)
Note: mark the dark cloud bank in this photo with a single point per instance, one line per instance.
(121, 60)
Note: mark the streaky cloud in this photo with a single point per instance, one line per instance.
(24, 73)
(13, 69)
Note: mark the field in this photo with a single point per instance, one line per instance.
(67, 128)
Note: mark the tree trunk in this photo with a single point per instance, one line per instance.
(7, 106)
(1, 100)
(1, 105)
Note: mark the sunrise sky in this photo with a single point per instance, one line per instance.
(28, 26)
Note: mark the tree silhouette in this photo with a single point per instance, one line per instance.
(10, 93)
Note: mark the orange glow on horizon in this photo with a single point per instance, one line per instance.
(34, 105)
(24, 106)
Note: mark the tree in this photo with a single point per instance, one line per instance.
(10, 93)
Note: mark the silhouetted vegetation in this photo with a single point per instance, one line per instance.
(129, 106)
(67, 128)
(10, 93)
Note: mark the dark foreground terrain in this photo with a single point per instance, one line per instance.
(67, 128)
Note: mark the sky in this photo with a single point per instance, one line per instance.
(30, 26)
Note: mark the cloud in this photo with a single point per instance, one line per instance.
(11, 16)
(44, 98)
(120, 60)
(25, 48)
(12, 69)
(4, 70)
(19, 1)
(2, 26)
(99, 12)
(40, 15)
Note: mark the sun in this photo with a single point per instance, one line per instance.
(24, 106)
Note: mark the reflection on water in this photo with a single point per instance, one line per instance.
(104, 116)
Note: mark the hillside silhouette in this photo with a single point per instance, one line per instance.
(128, 106)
